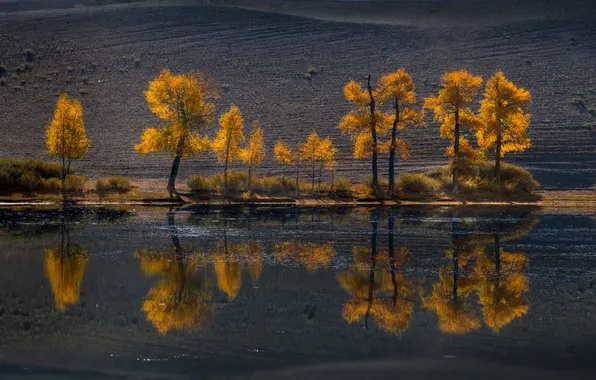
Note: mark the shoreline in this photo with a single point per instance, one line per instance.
(573, 199)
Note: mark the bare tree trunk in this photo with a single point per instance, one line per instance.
(332, 181)
(63, 179)
(373, 132)
(320, 174)
(456, 154)
(250, 178)
(392, 150)
(373, 264)
(390, 227)
(297, 189)
(312, 190)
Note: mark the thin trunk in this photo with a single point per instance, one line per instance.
(332, 181)
(455, 272)
(373, 264)
(498, 156)
(456, 154)
(283, 174)
(63, 179)
(250, 178)
(297, 190)
(393, 149)
(373, 132)
(390, 227)
(320, 174)
(312, 190)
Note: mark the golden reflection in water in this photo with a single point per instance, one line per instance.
(502, 283)
(228, 262)
(65, 266)
(312, 255)
(181, 299)
(378, 290)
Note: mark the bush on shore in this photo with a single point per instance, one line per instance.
(28, 175)
(113, 184)
(417, 186)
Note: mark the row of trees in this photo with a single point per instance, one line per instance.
(389, 105)
(185, 104)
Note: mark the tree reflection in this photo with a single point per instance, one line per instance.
(376, 287)
(65, 266)
(181, 299)
(313, 256)
(501, 286)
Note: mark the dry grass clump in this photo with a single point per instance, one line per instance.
(113, 185)
(27, 175)
(417, 186)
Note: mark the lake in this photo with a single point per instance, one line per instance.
(294, 293)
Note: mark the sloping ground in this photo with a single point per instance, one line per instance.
(259, 60)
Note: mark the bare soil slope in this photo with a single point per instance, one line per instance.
(259, 58)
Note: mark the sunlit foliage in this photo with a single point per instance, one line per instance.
(283, 155)
(181, 299)
(254, 152)
(65, 266)
(312, 255)
(65, 137)
(504, 118)
(451, 108)
(252, 252)
(227, 142)
(185, 104)
(501, 288)
(318, 152)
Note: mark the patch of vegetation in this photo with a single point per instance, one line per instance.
(417, 186)
(311, 70)
(29, 56)
(28, 175)
(3, 71)
(2, 82)
(137, 62)
(113, 184)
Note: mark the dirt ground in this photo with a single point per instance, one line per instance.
(259, 57)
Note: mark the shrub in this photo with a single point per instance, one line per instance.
(75, 183)
(367, 182)
(113, 184)
(269, 185)
(137, 62)
(3, 71)
(417, 185)
(2, 82)
(29, 56)
(342, 185)
(311, 70)
(51, 185)
(198, 183)
(29, 181)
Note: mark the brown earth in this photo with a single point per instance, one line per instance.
(260, 56)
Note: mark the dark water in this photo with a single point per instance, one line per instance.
(297, 293)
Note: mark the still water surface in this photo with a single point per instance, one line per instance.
(297, 293)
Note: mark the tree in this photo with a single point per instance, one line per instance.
(254, 153)
(451, 109)
(65, 137)
(228, 139)
(309, 153)
(504, 120)
(184, 103)
(326, 157)
(364, 119)
(399, 91)
(283, 154)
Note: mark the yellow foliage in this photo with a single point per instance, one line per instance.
(184, 103)
(283, 153)
(252, 251)
(229, 136)
(65, 137)
(501, 288)
(363, 147)
(254, 152)
(502, 113)
(466, 150)
(458, 89)
(399, 86)
(312, 255)
(317, 150)
(65, 269)
(181, 299)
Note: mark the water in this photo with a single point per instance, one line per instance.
(297, 293)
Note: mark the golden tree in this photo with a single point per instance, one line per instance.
(228, 269)
(184, 103)
(398, 89)
(228, 139)
(65, 266)
(449, 298)
(309, 152)
(451, 108)
(364, 120)
(504, 119)
(326, 157)
(254, 152)
(65, 137)
(283, 154)
(501, 288)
